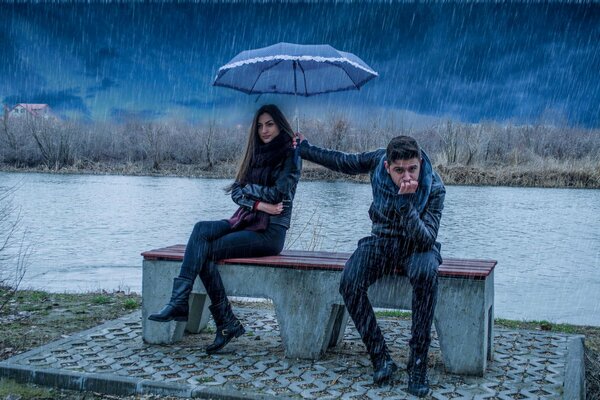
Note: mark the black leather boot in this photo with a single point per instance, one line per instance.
(228, 326)
(383, 366)
(418, 384)
(178, 307)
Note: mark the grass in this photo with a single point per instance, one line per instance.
(11, 389)
(59, 314)
(393, 314)
(101, 299)
(538, 325)
(131, 304)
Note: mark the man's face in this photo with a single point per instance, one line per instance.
(404, 170)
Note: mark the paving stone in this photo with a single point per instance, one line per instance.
(526, 364)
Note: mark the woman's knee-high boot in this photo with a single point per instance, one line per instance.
(178, 307)
(228, 326)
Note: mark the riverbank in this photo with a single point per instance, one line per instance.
(34, 318)
(548, 176)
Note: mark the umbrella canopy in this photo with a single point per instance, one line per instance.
(288, 68)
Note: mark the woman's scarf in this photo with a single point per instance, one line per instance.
(265, 158)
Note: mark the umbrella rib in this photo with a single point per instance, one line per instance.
(346, 72)
(303, 77)
(262, 72)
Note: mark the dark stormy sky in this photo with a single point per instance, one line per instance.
(469, 61)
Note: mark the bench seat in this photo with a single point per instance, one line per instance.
(303, 286)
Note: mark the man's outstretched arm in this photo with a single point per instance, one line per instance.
(348, 163)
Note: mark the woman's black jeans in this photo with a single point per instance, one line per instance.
(376, 257)
(214, 240)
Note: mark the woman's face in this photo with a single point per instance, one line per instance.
(267, 128)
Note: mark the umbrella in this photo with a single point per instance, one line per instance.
(301, 70)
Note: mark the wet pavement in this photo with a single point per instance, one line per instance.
(113, 359)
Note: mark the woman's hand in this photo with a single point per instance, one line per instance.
(272, 209)
(299, 139)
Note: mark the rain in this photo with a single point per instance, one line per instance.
(486, 88)
(158, 60)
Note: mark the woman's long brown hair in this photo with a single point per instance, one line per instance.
(253, 138)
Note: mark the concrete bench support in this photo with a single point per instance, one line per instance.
(464, 318)
(320, 317)
(311, 313)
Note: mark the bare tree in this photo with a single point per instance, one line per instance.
(209, 140)
(7, 131)
(54, 140)
(372, 134)
(155, 137)
(338, 131)
(475, 140)
(449, 137)
(13, 251)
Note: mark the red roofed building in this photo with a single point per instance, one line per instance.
(35, 110)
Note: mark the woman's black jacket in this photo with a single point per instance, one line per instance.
(285, 175)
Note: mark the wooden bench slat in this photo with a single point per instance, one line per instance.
(328, 261)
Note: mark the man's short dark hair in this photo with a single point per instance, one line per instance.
(403, 148)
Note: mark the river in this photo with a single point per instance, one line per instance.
(86, 232)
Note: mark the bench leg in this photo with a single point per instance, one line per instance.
(490, 341)
(171, 332)
(157, 277)
(464, 323)
(163, 332)
(306, 325)
(199, 313)
(339, 321)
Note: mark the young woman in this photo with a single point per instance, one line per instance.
(264, 188)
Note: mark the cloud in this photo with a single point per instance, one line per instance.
(472, 60)
(105, 85)
(123, 114)
(204, 104)
(96, 61)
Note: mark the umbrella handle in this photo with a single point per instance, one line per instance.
(297, 114)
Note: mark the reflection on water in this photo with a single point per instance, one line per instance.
(87, 233)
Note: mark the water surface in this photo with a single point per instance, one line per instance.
(87, 232)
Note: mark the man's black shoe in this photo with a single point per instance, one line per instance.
(418, 384)
(383, 369)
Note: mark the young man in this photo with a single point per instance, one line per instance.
(408, 199)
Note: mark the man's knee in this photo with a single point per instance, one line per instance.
(424, 268)
(345, 285)
(350, 286)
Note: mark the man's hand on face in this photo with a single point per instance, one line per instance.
(405, 174)
(408, 187)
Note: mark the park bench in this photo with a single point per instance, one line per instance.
(303, 286)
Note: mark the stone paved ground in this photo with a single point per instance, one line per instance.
(527, 365)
